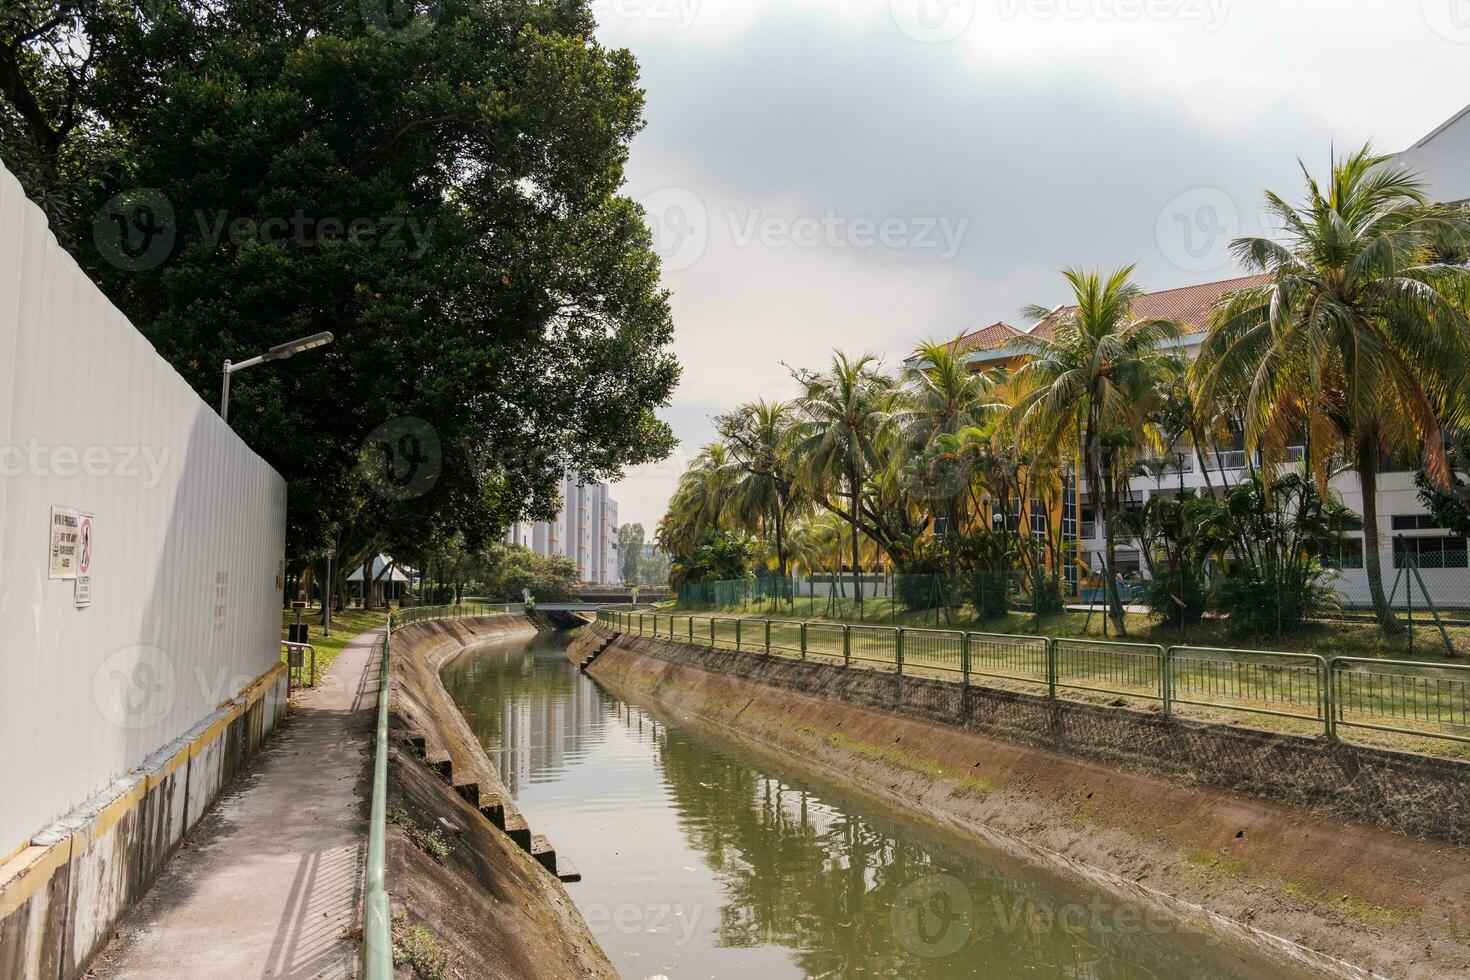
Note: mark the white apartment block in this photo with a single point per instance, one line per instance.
(585, 531)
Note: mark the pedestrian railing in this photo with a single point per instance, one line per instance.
(1285, 685)
(1401, 697)
(377, 923)
(1026, 659)
(1130, 670)
(298, 674)
(463, 610)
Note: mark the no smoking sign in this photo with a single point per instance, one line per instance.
(83, 594)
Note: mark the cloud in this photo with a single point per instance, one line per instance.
(1038, 139)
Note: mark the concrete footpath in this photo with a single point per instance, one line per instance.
(269, 883)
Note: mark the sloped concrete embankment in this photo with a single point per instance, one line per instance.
(494, 901)
(1167, 811)
(61, 897)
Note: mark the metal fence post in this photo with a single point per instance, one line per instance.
(1166, 680)
(803, 641)
(1329, 697)
(846, 645)
(1051, 668)
(737, 634)
(768, 637)
(712, 632)
(965, 658)
(898, 650)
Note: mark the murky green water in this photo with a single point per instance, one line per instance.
(699, 864)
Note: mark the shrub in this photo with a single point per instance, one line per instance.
(1177, 597)
(990, 594)
(1266, 605)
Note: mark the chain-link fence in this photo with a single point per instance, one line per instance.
(1426, 612)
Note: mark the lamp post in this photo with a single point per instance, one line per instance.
(277, 353)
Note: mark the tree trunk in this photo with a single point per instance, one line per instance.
(367, 583)
(1372, 560)
(856, 559)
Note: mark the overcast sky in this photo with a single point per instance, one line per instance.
(863, 174)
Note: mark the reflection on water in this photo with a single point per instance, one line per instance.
(697, 864)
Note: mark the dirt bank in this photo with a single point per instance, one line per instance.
(460, 866)
(1388, 903)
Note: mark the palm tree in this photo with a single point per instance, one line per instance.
(764, 494)
(699, 500)
(842, 416)
(1356, 341)
(941, 399)
(1082, 382)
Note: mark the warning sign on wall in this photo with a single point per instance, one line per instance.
(83, 595)
(65, 537)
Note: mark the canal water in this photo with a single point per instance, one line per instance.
(698, 862)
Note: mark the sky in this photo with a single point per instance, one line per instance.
(866, 174)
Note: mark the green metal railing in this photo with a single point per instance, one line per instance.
(377, 924)
(1401, 697)
(377, 920)
(463, 610)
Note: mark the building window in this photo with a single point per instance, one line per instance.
(1069, 511)
(1344, 554)
(1429, 552)
(1089, 524)
(1416, 522)
(1038, 518)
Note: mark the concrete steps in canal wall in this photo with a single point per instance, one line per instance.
(447, 783)
(594, 649)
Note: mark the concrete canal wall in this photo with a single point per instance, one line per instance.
(495, 901)
(61, 896)
(1172, 811)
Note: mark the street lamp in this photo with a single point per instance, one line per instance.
(277, 353)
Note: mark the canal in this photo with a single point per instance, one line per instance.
(699, 862)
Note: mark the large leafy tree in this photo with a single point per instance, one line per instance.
(1087, 382)
(1356, 343)
(630, 552)
(439, 188)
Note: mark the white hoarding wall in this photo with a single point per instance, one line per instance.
(140, 540)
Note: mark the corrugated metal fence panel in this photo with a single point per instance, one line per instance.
(190, 531)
